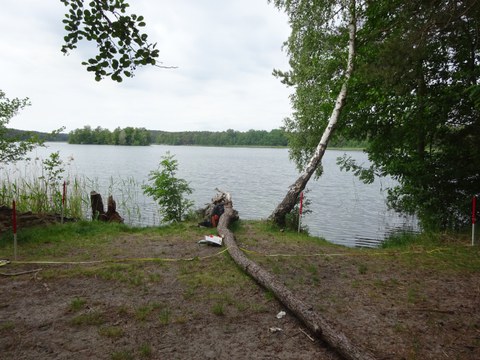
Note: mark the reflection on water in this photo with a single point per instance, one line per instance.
(344, 210)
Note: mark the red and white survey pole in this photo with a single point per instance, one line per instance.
(14, 226)
(64, 196)
(474, 218)
(300, 212)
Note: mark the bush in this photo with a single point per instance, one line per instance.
(168, 190)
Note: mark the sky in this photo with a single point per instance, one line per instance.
(224, 51)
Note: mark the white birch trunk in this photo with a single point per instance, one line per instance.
(289, 201)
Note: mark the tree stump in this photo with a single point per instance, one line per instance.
(112, 214)
(98, 210)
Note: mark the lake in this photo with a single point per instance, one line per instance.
(344, 210)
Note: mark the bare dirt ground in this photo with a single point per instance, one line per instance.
(398, 306)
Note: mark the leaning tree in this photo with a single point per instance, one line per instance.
(321, 48)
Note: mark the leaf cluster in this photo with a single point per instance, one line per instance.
(122, 46)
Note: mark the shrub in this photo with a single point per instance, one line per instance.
(168, 190)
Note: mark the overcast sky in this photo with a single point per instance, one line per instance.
(225, 51)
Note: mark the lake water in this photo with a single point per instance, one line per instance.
(344, 210)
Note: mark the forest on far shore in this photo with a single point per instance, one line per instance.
(131, 136)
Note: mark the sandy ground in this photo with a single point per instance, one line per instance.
(397, 307)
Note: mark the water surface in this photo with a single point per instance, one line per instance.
(344, 210)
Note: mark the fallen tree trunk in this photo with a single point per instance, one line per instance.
(317, 324)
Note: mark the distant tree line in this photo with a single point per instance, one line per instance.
(143, 137)
(276, 137)
(119, 136)
(23, 135)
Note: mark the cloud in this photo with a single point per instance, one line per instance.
(225, 52)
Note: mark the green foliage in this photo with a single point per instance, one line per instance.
(168, 190)
(14, 144)
(317, 50)
(100, 136)
(403, 240)
(292, 218)
(52, 179)
(121, 45)
(413, 97)
(13, 148)
(367, 175)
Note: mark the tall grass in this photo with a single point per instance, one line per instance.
(37, 186)
(38, 189)
(127, 196)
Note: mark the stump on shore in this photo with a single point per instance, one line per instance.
(98, 210)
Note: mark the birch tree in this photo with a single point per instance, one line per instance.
(323, 32)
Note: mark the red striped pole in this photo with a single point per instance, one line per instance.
(14, 226)
(64, 196)
(474, 218)
(300, 212)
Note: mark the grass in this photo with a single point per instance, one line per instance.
(171, 294)
(58, 240)
(90, 318)
(122, 355)
(219, 273)
(164, 316)
(144, 311)
(77, 304)
(7, 326)
(447, 252)
(36, 188)
(218, 309)
(362, 269)
(113, 332)
(83, 241)
(145, 351)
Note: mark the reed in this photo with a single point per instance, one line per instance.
(37, 186)
(34, 189)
